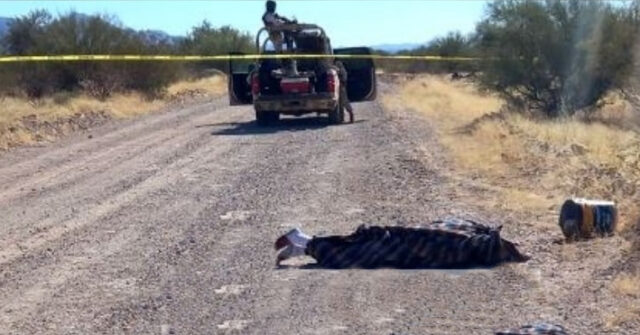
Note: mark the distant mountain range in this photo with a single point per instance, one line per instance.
(159, 37)
(393, 48)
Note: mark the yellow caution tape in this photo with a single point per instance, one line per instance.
(192, 58)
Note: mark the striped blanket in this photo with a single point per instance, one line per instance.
(452, 243)
(536, 329)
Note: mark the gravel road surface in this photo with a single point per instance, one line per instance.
(165, 225)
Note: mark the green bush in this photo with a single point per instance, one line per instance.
(557, 56)
(38, 33)
(453, 44)
(207, 40)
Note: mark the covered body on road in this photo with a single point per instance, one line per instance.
(452, 243)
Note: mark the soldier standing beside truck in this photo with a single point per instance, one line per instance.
(344, 98)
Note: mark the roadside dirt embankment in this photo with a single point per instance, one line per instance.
(26, 121)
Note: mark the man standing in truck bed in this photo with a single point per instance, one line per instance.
(272, 20)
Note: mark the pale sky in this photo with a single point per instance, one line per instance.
(348, 22)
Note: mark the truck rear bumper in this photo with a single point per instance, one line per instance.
(296, 102)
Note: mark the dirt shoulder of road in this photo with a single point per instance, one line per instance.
(528, 167)
(27, 121)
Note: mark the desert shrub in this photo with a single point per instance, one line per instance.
(205, 39)
(453, 44)
(557, 56)
(39, 33)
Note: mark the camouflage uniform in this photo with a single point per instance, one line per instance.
(344, 98)
(272, 21)
(452, 243)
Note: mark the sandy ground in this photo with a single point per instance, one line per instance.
(165, 224)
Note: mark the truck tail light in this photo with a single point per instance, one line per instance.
(332, 78)
(255, 84)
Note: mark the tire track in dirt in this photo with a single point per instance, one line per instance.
(25, 161)
(218, 231)
(53, 229)
(66, 269)
(170, 174)
(103, 153)
(346, 177)
(111, 180)
(56, 229)
(236, 254)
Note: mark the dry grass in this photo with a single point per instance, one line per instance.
(628, 313)
(534, 164)
(528, 167)
(66, 106)
(627, 285)
(213, 85)
(452, 103)
(626, 288)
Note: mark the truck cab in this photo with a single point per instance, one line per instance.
(302, 80)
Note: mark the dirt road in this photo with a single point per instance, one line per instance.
(166, 225)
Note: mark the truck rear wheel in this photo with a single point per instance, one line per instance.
(336, 116)
(265, 118)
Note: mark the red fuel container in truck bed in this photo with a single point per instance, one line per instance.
(295, 85)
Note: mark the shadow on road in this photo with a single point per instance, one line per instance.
(252, 128)
(456, 272)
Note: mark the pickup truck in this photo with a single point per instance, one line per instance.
(300, 85)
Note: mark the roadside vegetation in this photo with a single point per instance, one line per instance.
(543, 58)
(554, 99)
(28, 121)
(453, 44)
(552, 57)
(535, 163)
(39, 33)
(529, 166)
(557, 57)
(41, 101)
(555, 114)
